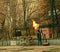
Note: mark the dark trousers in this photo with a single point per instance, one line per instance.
(39, 42)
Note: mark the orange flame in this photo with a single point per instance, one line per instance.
(35, 25)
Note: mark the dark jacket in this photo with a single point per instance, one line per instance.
(39, 34)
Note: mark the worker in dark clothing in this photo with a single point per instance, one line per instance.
(39, 37)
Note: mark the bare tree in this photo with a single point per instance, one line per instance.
(29, 9)
(2, 23)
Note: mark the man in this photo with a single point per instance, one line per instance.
(39, 37)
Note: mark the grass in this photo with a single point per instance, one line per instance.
(24, 49)
(52, 50)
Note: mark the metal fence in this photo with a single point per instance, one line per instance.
(24, 42)
(50, 41)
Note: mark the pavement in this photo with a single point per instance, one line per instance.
(51, 48)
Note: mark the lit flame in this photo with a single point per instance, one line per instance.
(35, 25)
